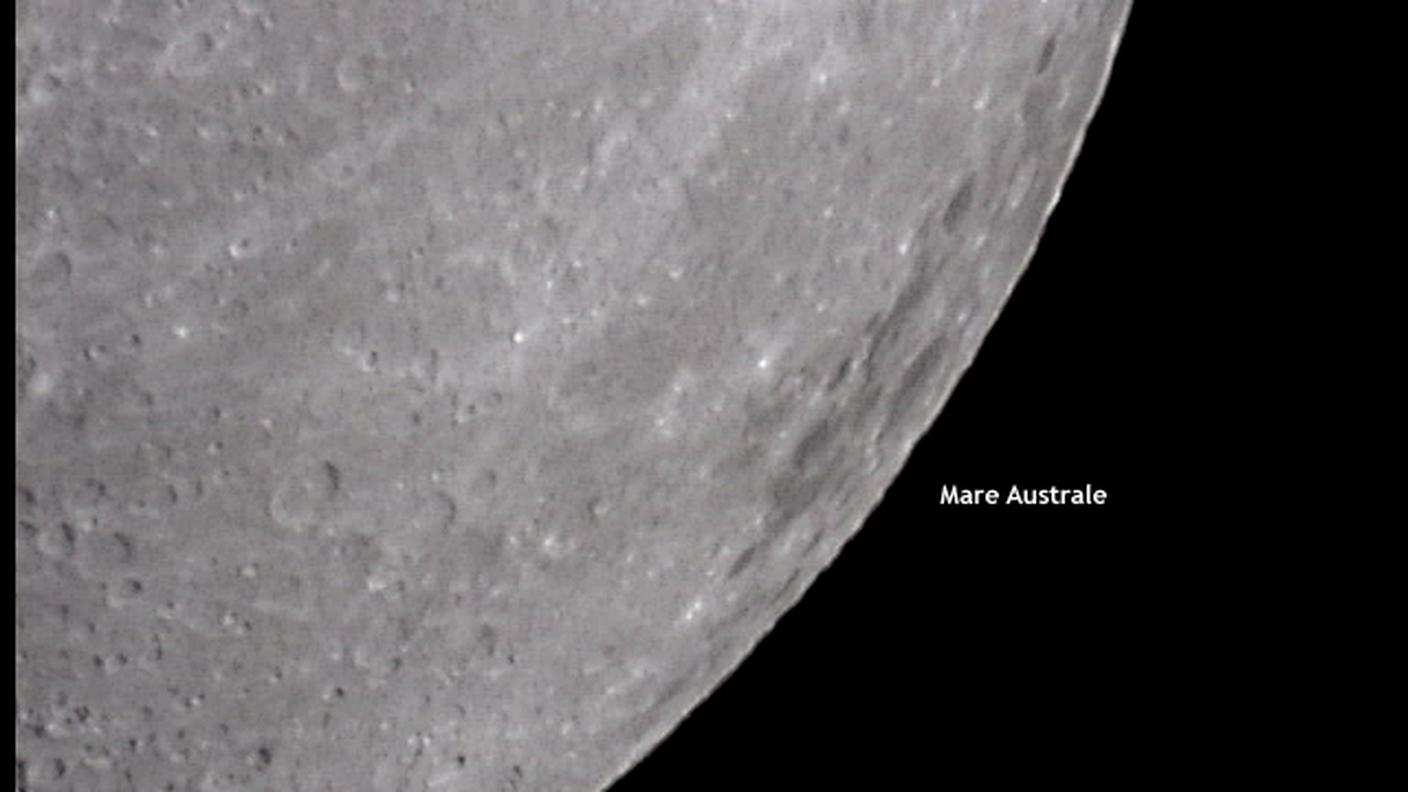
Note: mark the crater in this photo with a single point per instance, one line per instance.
(960, 204)
(305, 495)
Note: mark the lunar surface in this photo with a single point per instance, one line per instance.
(448, 395)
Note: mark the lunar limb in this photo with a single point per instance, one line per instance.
(448, 395)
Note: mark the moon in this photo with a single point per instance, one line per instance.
(450, 397)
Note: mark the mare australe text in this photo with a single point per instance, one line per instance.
(950, 495)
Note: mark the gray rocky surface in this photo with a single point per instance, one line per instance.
(448, 395)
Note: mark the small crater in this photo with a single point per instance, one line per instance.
(50, 276)
(815, 446)
(26, 502)
(107, 553)
(242, 248)
(433, 513)
(839, 376)
(486, 641)
(153, 499)
(27, 374)
(793, 494)
(59, 542)
(1022, 182)
(263, 757)
(865, 404)
(304, 498)
(959, 205)
(356, 72)
(343, 165)
(189, 54)
(1048, 49)
(917, 382)
(744, 560)
(787, 588)
(1036, 111)
(487, 653)
(124, 592)
(86, 497)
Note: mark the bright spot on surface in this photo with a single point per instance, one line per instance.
(42, 384)
(692, 612)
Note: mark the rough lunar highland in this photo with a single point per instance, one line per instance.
(448, 395)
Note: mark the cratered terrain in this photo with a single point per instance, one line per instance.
(449, 395)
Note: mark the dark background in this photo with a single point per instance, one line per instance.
(1007, 643)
